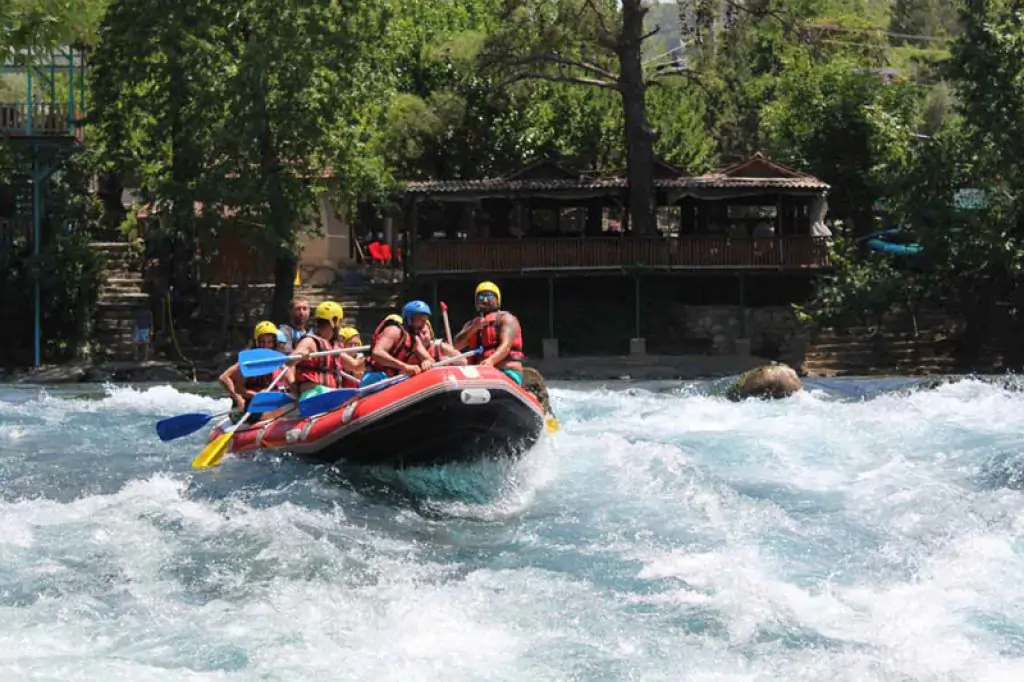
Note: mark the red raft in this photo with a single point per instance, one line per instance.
(448, 414)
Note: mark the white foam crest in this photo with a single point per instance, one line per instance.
(153, 400)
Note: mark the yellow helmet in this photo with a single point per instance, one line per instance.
(347, 333)
(331, 312)
(488, 286)
(264, 327)
(394, 317)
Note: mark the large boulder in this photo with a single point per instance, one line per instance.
(535, 384)
(767, 382)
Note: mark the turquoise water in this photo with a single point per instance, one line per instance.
(860, 531)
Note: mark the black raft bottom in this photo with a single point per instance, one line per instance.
(440, 429)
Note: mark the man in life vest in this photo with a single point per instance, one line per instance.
(297, 327)
(397, 347)
(496, 331)
(348, 337)
(314, 376)
(242, 389)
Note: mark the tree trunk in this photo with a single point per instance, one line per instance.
(639, 136)
(284, 287)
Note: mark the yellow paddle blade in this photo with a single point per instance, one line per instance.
(213, 453)
(551, 424)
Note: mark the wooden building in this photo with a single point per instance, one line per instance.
(755, 226)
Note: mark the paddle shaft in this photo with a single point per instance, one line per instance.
(446, 361)
(269, 388)
(447, 325)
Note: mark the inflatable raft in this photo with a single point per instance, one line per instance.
(448, 414)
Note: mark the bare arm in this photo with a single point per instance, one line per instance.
(229, 380)
(381, 351)
(462, 339)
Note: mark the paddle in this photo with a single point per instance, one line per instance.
(259, 361)
(268, 401)
(183, 424)
(325, 402)
(213, 453)
(447, 326)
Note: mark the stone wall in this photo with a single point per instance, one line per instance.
(773, 332)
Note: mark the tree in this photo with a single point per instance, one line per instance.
(594, 43)
(845, 124)
(247, 106)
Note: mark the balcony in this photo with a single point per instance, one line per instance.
(709, 253)
(41, 119)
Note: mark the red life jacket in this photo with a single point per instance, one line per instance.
(320, 370)
(405, 351)
(489, 338)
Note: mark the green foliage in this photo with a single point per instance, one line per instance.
(847, 127)
(68, 271)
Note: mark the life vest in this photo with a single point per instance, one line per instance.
(489, 338)
(292, 335)
(263, 382)
(435, 352)
(405, 351)
(322, 370)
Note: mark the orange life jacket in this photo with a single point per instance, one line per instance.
(322, 370)
(405, 351)
(489, 338)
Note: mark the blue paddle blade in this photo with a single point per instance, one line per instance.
(325, 402)
(181, 425)
(259, 361)
(269, 401)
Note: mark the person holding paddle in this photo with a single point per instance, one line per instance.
(242, 389)
(495, 330)
(397, 346)
(348, 337)
(314, 376)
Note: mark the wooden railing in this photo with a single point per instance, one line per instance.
(604, 253)
(45, 119)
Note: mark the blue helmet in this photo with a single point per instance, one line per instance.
(414, 308)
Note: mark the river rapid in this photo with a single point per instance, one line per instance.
(861, 530)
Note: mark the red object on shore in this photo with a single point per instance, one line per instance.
(448, 414)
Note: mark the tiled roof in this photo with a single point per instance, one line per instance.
(499, 185)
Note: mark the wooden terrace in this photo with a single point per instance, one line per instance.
(620, 254)
(546, 219)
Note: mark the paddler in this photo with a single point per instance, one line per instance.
(397, 346)
(348, 337)
(314, 376)
(495, 330)
(439, 350)
(242, 389)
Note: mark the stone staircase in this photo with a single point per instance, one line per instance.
(895, 348)
(364, 304)
(121, 299)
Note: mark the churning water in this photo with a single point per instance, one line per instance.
(854, 532)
